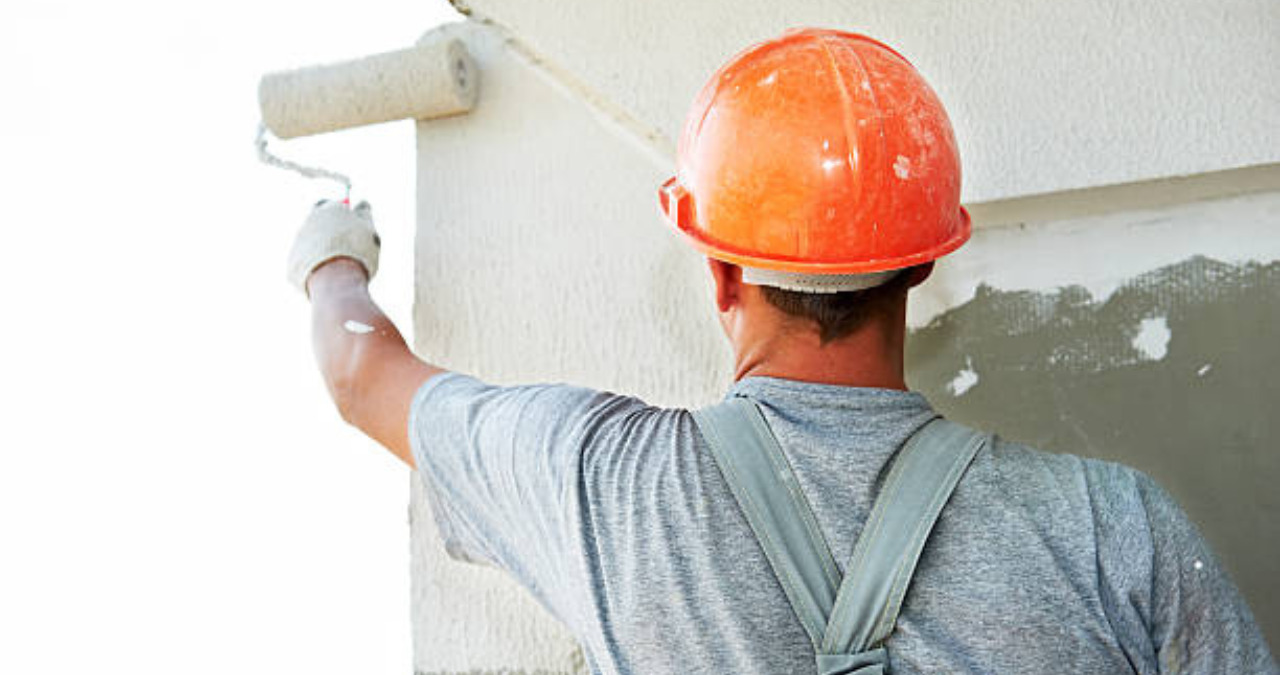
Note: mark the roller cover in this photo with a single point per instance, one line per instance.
(426, 81)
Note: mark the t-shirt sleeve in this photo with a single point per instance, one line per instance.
(1171, 603)
(502, 472)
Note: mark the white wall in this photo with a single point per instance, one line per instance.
(1045, 95)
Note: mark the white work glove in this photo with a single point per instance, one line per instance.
(334, 230)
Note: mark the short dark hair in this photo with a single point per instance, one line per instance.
(839, 314)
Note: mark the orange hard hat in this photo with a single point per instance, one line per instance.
(820, 155)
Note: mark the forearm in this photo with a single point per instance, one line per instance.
(345, 325)
(368, 369)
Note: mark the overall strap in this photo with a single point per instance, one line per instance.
(765, 487)
(919, 483)
(846, 619)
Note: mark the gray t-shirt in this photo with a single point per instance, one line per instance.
(613, 514)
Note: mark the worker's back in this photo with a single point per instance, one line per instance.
(616, 517)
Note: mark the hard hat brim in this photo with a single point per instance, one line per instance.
(963, 230)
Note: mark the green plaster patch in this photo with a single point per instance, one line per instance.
(1177, 373)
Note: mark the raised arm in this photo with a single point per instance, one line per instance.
(368, 369)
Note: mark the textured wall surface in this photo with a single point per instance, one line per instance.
(1045, 95)
(1140, 335)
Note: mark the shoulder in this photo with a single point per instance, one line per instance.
(1105, 506)
(458, 410)
(454, 395)
(1028, 475)
(1119, 512)
(1112, 483)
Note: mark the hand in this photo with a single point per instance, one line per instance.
(334, 230)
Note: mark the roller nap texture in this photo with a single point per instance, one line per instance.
(422, 82)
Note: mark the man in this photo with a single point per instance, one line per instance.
(818, 172)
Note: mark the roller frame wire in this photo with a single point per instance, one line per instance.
(265, 156)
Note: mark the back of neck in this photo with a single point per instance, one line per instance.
(872, 356)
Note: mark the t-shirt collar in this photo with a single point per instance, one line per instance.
(826, 395)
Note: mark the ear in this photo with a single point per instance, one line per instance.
(920, 273)
(728, 280)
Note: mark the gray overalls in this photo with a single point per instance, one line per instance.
(847, 619)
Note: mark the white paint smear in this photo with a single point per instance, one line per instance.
(356, 327)
(1153, 338)
(1104, 252)
(964, 380)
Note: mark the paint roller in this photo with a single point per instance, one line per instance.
(430, 80)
